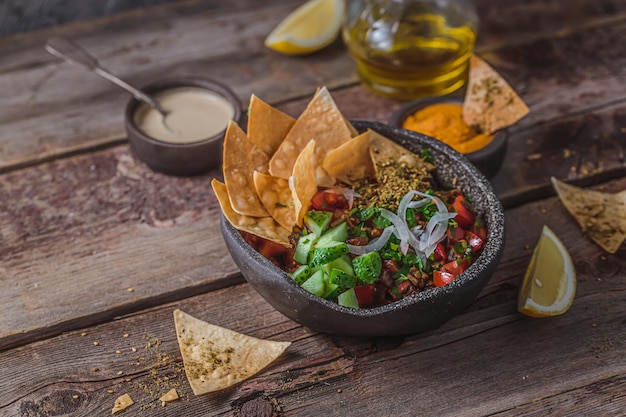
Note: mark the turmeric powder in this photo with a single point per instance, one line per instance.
(444, 121)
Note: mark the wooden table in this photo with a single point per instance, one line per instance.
(96, 250)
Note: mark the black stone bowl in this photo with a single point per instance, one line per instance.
(414, 314)
(488, 159)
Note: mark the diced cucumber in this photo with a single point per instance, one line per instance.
(317, 221)
(367, 267)
(315, 284)
(348, 299)
(326, 254)
(342, 279)
(331, 291)
(343, 264)
(301, 274)
(338, 233)
(304, 248)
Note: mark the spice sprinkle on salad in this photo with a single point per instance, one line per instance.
(370, 225)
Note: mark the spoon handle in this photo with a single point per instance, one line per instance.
(74, 54)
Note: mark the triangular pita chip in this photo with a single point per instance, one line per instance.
(490, 102)
(321, 121)
(383, 150)
(602, 216)
(121, 403)
(276, 196)
(303, 183)
(241, 159)
(265, 227)
(216, 358)
(351, 161)
(267, 126)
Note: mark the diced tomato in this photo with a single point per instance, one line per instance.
(365, 294)
(455, 233)
(455, 267)
(464, 217)
(270, 249)
(479, 228)
(441, 278)
(474, 241)
(329, 200)
(440, 252)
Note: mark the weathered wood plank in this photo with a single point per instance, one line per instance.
(77, 234)
(514, 364)
(49, 108)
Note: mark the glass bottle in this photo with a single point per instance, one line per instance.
(406, 49)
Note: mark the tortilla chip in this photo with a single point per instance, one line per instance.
(122, 403)
(490, 102)
(321, 121)
(382, 150)
(216, 358)
(351, 161)
(267, 126)
(241, 159)
(265, 227)
(276, 197)
(602, 216)
(303, 183)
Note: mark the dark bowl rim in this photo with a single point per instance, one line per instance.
(491, 253)
(178, 82)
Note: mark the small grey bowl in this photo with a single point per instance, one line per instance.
(180, 159)
(414, 314)
(488, 159)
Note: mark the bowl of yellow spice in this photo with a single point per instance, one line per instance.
(442, 118)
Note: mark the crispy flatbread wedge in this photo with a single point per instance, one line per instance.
(602, 216)
(490, 102)
(303, 182)
(351, 161)
(241, 159)
(216, 358)
(265, 227)
(276, 196)
(267, 126)
(321, 121)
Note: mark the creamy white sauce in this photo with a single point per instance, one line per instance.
(193, 114)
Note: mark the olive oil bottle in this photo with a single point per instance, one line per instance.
(406, 49)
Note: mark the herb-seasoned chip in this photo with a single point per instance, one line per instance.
(265, 227)
(351, 161)
(216, 358)
(241, 159)
(304, 184)
(276, 197)
(267, 126)
(602, 216)
(490, 102)
(382, 150)
(321, 121)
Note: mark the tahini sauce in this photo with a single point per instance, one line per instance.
(193, 114)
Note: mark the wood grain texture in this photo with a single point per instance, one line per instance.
(516, 365)
(49, 108)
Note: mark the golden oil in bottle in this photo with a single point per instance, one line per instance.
(406, 49)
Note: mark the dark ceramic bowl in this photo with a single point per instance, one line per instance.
(488, 160)
(414, 314)
(183, 159)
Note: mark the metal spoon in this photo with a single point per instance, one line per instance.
(73, 53)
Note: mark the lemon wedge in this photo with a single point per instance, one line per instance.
(309, 28)
(549, 285)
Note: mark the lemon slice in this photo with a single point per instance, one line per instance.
(549, 285)
(307, 29)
